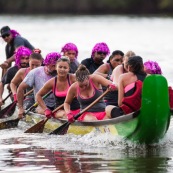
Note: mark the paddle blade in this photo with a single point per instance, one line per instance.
(37, 128)
(8, 111)
(9, 124)
(61, 130)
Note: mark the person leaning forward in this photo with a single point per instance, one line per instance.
(13, 40)
(36, 78)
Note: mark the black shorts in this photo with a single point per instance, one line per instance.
(116, 112)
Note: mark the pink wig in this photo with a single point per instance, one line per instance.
(14, 33)
(70, 46)
(51, 58)
(20, 52)
(152, 67)
(100, 47)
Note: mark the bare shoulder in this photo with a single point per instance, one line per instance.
(118, 68)
(72, 77)
(95, 76)
(22, 71)
(126, 76)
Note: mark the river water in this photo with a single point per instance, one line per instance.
(149, 37)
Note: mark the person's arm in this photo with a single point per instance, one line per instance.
(20, 96)
(10, 60)
(44, 90)
(69, 97)
(120, 90)
(1, 93)
(102, 70)
(16, 81)
(116, 73)
(28, 81)
(100, 80)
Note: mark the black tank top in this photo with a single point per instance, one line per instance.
(84, 102)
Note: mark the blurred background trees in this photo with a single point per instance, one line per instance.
(86, 7)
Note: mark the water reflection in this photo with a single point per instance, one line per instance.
(43, 160)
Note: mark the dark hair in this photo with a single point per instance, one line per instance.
(136, 64)
(36, 56)
(82, 73)
(116, 52)
(63, 59)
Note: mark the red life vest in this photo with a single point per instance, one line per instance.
(133, 103)
(170, 97)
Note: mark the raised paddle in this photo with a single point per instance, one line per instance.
(38, 128)
(13, 123)
(9, 110)
(63, 129)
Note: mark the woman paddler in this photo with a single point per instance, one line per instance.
(87, 89)
(129, 89)
(59, 85)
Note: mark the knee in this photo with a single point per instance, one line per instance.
(108, 110)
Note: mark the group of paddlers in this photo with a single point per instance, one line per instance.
(72, 84)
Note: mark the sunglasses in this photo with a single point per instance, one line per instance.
(100, 53)
(5, 35)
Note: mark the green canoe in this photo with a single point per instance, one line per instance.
(148, 125)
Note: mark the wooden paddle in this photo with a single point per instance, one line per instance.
(38, 128)
(13, 123)
(7, 97)
(9, 110)
(36, 103)
(63, 129)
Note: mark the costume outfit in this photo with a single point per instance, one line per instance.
(90, 64)
(132, 97)
(98, 109)
(36, 78)
(61, 95)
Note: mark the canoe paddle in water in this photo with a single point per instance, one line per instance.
(13, 123)
(9, 110)
(63, 129)
(38, 128)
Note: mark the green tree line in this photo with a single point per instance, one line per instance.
(86, 6)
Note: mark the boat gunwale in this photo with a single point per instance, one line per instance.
(123, 118)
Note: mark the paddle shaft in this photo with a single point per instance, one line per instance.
(7, 97)
(38, 128)
(36, 104)
(63, 128)
(29, 92)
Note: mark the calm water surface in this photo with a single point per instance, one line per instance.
(150, 38)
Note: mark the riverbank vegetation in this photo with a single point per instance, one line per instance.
(86, 7)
